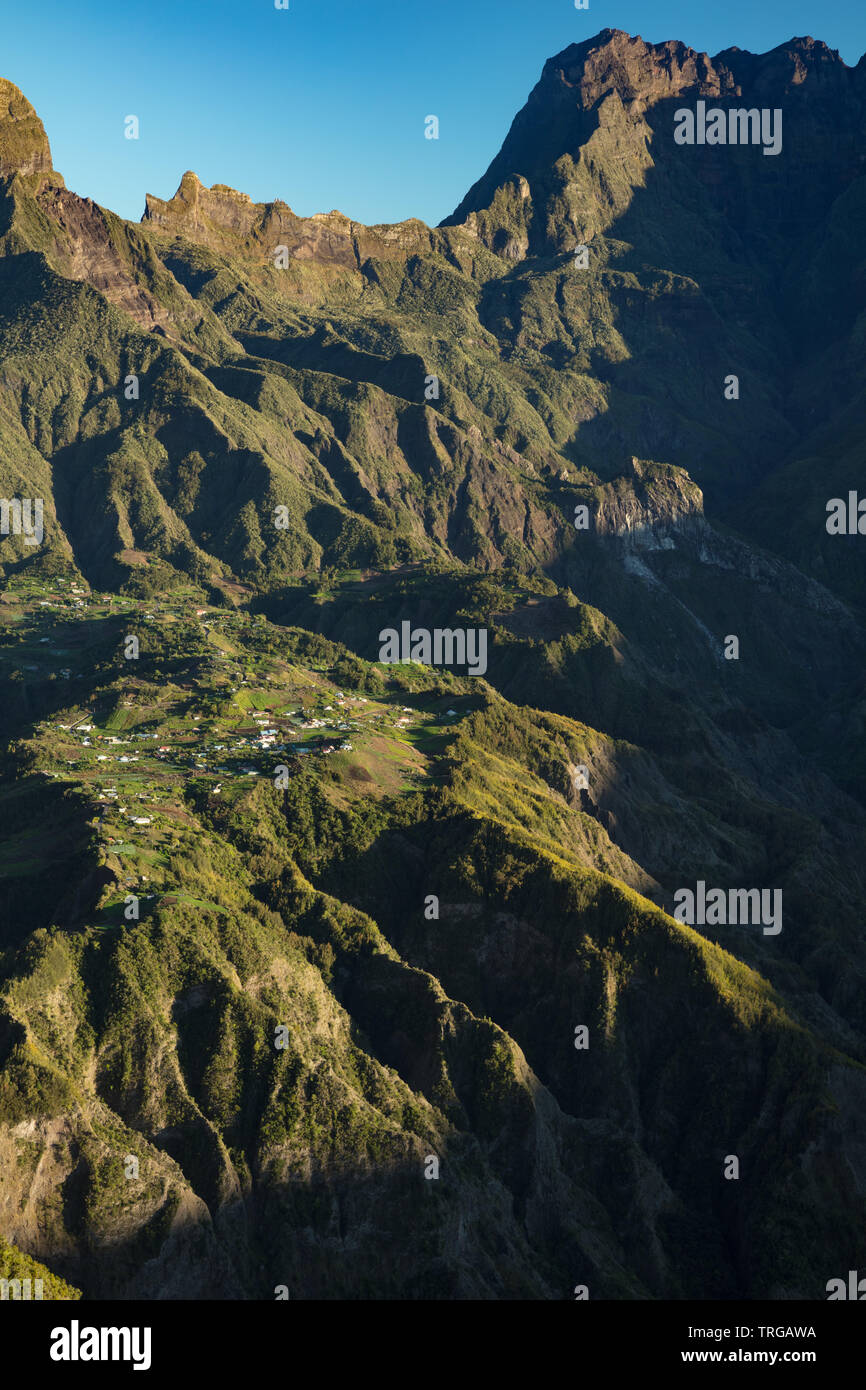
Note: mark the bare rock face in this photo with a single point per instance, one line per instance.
(194, 207)
(646, 506)
(231, 223)
(618, 62)
(24, 147)
(597, 131)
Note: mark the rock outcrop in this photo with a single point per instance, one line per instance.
(24, 147)
(647, 505)
(225, 220)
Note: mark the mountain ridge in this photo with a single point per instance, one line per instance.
(260, 441)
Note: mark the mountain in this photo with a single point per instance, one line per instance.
(304, 1009)
(24, 147)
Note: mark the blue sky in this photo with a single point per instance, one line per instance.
(323, 104)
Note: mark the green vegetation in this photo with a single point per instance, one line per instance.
(362, 977)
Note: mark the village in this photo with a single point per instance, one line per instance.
(213, 719)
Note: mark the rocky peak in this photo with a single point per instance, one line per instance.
(616, 61)
(647, 72)
(24, 147)
(194, 208)
(229, 222)
(607, 101)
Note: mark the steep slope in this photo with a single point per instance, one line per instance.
(714, 260)
(24, 147)
(281, 1007)
(262, 1084)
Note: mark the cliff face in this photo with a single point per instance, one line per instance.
(24, 147)
(648, 505)
(479, 354)
(224, 220)
(426, 410)
(598, 128)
